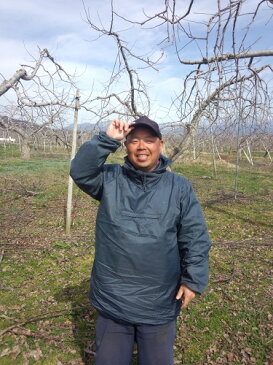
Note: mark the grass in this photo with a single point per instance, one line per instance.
(45, 275)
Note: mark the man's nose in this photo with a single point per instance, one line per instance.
(141, 144)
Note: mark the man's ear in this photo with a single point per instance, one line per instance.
(161, 145)
(125, 143)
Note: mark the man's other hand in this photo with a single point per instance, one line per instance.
(185, 294)
(118, 129)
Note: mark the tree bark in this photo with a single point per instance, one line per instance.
(25, 152)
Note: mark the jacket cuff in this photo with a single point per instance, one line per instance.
(103, 137)
(193, 286)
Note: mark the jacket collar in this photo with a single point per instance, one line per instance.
(146, 179)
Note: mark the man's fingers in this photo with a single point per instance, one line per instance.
(129, 125)
(180, 293)
(122, 126)
(128, 128)
(117, 123)
(185, 294)
(119, 129)
(125, 126)
(185, 302)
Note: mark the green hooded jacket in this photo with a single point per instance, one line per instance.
(151, 236)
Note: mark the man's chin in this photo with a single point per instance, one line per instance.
(144, 167)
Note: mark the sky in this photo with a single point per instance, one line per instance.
(61, 27)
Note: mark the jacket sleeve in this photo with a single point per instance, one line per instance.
(194, 243)
(87, 167)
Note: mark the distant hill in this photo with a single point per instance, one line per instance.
(90, 126)
(166, 128)
(102, 126)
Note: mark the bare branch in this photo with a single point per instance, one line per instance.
(7, 84)
(228, 56)
(183, 144)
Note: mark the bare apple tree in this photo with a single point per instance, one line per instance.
(34, 98)
(230, 75)
(229, 78)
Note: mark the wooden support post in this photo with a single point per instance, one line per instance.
(73, 151)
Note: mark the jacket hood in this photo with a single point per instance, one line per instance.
(146, 179)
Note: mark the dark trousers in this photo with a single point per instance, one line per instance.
(115, 343)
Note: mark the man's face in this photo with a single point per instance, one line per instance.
(143, 148)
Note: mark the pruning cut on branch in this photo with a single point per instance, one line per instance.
(26, 75)
(229, 56)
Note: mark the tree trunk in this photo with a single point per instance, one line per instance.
(193, 145)
(213, 156)
(25, 152)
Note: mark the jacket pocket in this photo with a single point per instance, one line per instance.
(129, 214)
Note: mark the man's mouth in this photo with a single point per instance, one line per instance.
(142, 157)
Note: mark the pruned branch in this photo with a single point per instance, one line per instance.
(7, 84)
(229, 56)
(49, 92)
(22, 74)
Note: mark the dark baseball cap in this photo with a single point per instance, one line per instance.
(148, 123)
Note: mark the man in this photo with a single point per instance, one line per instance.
(151, 244)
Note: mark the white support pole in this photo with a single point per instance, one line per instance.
(249, 153)
(213, 154)
(247, 157)
(73, 151)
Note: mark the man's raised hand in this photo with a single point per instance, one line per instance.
(118, 129)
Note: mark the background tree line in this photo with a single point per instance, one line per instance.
(225, 96)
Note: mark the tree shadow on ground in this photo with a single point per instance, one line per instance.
(83, 318)
(239, 200)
